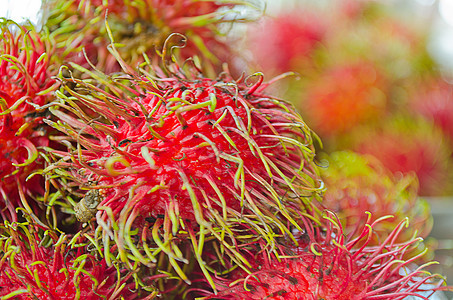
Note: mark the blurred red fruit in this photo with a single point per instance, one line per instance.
(345, 97)
(287, 41)
(412, 147)
(435, 102)
(356, 184)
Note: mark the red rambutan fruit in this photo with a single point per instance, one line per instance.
(375, 31)
(331, 266)
(42, 266)
(434, 101)
(412, 146)
(139, 27)
(361, 74)
(25, 84)
(286, 42)
(345, 97)
(183, 152)
(356, 184)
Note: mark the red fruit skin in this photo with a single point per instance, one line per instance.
(328, 265)
(58, 285)
(297, 279)
(283, 43)
(190, 162)
(54, 272)
(25, 76)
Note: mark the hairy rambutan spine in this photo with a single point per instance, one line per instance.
(25, 86)
(178, 155)
(141, 27)
(329, 265)
(42, 263)
(52, 266)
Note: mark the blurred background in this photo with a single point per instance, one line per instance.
(374, 77)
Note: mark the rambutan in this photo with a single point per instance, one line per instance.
(374, 31)
(356, 184)
(182, 151)
(286, 42)
(330, 266)
(37, 265)
(367, 62)
(434, 101)
(25, 84)
(345, 97)
(139, 27)
(405, 146)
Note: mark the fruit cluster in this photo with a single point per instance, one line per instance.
(129, 173)
(366, 76)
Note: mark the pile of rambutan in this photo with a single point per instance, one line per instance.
(362, 66)
(129, 173)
